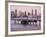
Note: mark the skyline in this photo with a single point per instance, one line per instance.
(26, 8)
(30, 21)
(25, 13)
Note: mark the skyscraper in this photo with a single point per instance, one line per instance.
(15, 12)
(28, 14)
(25, 13)
(32, 12)
(35, 12)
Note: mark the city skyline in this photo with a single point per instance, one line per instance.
(25, 13)
(26, 8)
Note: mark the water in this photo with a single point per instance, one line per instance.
(21, 27)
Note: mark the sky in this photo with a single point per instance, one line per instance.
(25, 8)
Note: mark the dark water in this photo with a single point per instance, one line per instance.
(24, 27)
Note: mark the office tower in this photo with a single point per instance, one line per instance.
(35, 12)
(25, 13)
(32, 12)
(28, 14)
(15, 12)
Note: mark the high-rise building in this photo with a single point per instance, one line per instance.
(15, 12)
(28, 14)
(25, 13)
(32, 12)
(35, 12)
